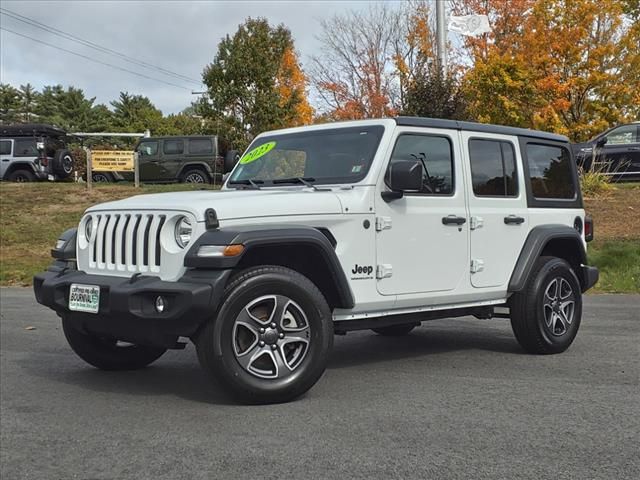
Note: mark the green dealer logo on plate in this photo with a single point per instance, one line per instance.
(257, 152)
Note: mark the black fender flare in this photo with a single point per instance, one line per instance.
(252, 236)
(538, 238)
(195, 165)
(20, 165)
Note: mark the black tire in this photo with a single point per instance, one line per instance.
(21, 176)
(532, 310)
(395, 330)
(106, 354)
(63, 163)
(218, 342)
(194, 175)
(101, 177)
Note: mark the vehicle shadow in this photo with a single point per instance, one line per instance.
(179, 374)
(369, 347)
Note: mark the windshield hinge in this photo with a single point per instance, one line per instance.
(383, 223)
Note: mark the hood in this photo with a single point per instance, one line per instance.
(234, 204)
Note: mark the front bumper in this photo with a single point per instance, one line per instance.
(127, 305)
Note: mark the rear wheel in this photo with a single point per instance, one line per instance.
(21, 176)
(546, 314)
(109, 353)
(395, 330)
(195, 176)
(271, 338)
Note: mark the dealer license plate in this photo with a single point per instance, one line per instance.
(84, 298)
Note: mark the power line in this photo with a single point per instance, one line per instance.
(93, 59)
(95, 46)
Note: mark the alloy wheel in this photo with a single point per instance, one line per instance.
(271, 337)
(559, 306)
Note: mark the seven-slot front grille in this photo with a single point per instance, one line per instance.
(126, 242)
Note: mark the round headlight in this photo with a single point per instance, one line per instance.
(88, 228)
(183, 232)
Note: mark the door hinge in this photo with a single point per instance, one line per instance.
(475, 223)
(383, 223)
(477, 265)
(384, 271)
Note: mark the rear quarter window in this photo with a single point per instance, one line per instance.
(200, 146)
(550, 172)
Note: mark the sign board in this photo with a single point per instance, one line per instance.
(112, 160)
(469, 25)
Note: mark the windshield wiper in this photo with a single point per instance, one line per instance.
(249, 183)
(306, 181)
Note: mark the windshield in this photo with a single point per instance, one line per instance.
(340, 155)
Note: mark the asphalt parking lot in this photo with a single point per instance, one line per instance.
(455, 399)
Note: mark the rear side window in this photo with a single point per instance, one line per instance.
(493, 168)
(200, 146)
(550, 171)
(173, 147)
(435, 154)
(25, 147)
(5, 147)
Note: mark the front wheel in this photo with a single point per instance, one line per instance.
(272, 336)
(108, 353)
(546, 314)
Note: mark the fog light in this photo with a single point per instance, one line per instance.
(161, 304)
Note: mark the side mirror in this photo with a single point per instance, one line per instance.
(404, 176)
(602, 142)
(230, 159)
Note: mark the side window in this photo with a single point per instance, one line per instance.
(173, 147)
(493, 168)
(5, 147)
(199, 146)
(623, 135)
(25, 147)
(148, 148)
(436, 155)
(550, 171)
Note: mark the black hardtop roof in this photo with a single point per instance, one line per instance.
(176, 137)
(31, 130)
(478, 127)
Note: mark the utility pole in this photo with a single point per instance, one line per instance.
(441, 33)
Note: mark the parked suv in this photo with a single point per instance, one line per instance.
(33, 152)
(189, 159)
(615, 152)
(320, 230)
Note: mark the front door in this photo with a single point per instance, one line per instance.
(621, 154)
(149, 160)
(422, 238)
(499, 220)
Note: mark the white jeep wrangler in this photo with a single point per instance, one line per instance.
(376, 224)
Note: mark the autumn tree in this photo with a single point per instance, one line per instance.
(569, 66)
(355, 74)
(255, 83)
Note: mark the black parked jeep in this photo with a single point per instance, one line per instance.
(31, 152)
(188, 159)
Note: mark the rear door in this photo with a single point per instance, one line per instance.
(499, 220)
(6, 146)
(172, 156)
